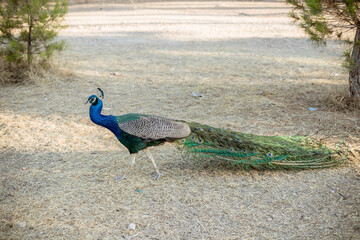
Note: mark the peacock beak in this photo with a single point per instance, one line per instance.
(86, 102)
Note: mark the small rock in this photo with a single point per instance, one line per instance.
(132, 226)
(312, 109)
(195, 94)
(116, 73)
(22, 224)
(336, 74)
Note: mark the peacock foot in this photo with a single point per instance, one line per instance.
(157, 176)
(119, 178)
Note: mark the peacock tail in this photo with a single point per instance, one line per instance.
(249, 151)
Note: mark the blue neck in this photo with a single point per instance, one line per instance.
(106, 121)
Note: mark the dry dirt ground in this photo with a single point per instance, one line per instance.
(257, 73)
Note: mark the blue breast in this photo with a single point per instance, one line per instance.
(131, 142)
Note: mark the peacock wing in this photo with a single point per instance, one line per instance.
(154, 127)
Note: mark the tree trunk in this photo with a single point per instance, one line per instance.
(354, 74)
(29, 42)
(29, 46)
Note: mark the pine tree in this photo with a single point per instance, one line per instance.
(28, 29)
(326, 19)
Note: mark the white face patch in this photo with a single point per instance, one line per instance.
(92, 100)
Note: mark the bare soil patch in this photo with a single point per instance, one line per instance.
(257, 73)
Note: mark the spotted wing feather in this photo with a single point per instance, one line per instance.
(153, 127)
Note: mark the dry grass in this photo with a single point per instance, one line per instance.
(21, 74)
(341, 100)
(257, 73)
(10, 74)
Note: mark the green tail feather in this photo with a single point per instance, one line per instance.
(260, 152)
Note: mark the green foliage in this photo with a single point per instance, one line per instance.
(348, 63)
(28, 29)
(351, 8)
(327, 19)
(323, 19)
(315, 7)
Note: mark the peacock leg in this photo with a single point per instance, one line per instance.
(153, 161)
(123, 176)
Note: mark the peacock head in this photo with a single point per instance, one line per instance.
(94, 100)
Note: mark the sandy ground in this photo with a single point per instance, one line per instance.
(257, 73)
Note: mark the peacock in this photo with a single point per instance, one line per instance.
(138, 131)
